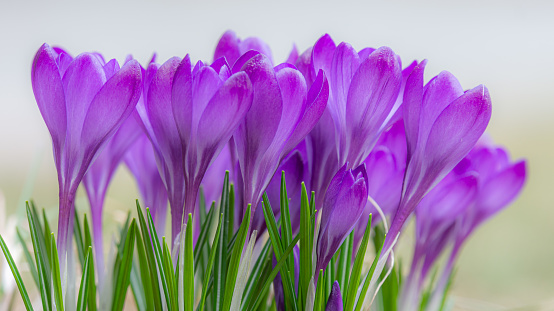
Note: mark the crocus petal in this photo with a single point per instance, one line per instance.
(223, 114)
(228, 47)
(501, 189)
(335, 299)
(344, 65)
(112, 105)
(293, 55)
(181, 98)
(111, 68)
(256, 44)
(322, 54)
(49, 94)
(372, 95)
(413, 97)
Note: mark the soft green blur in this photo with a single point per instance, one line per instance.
(507, 46)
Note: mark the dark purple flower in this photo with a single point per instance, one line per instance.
(343, 205)
(283, 112)
(141, 161)
(334, 303)
(190, 114)
(99, 176)
(83, 102)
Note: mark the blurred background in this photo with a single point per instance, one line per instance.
(506, 45)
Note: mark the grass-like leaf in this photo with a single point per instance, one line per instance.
(56, 278)
(306, 240)
(16, 275)
(353, 283)
(234, 262)
(368, 277)
(209, 268)
(188, 272)
(220, 265)
(83, 298)
(123, 275)
(28, 257)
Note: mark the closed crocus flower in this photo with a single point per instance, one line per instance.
(141, 161)
(83, 102)
(283, 112)
(190, 114)
(343, 205)
(99, 176)
(334, 303)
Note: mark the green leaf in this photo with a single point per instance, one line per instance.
(203, 236)
(16, 275)
(236, 253)
(319, 302)
(257, 273)
(169, 273)
(220, 266)
(43, 265)
(83, 288)
(211, 261)
(343, 262)
(189, 267)
(353, 283)
(56, 279)
(137, 286)
(145, 275)
(306, 232)
(368, 277)
(28, 257)
(276, 270)
(123, 275)
(79, 240)
(91, 278)
(151, 260)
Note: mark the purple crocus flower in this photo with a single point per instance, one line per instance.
(283, 112)
(83, 102)
(363, 102)
(213, 179)
(334, 303)
(99, 176)
(141, 161)
(343, 205)
(190, 114)
(442, 124)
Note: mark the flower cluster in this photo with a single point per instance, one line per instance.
(358, 129)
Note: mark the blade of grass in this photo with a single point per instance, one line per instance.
(79, 241)
(306, 232)
(203, 236)
(319, 302)
(124, 274)
(236, 254)
(220, 266)
(150, 260)
(43, 267)
(189, 267)
(169, 273)
(56, 279)
(367, 280)
(92, 277)
(353, 283)
(28, 257)
(209, 268)
(84, 287)
(16, 275)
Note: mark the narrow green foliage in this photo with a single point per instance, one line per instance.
(209, 268)
(368, 277)
(203, 236)
(353, 283)
(319, 302)
(220, 266)
(28, 257)
(236, 253)
(56, 279)
(306, 240)
(148, 267)
(137, 287)
(343, 261)
(390, 289)
(145, 275)
(188, 272)
(169, 273)
(79, 239)
(42, 261)
(275, 270)
(231, 211)
(91, 277)
(123, 275)
(272, 229)
(47, 231)
(257, 273)
(160, 262)
(84, 287)
(16, 275)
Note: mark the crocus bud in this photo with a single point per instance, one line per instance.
(343, 205)
(334, 303)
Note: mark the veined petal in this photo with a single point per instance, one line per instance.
(228, 47)
(205, 84)
(49, 94)
(112, 105)
(322, 54)
(111, 68)
(256, 44)
(413, 99)
(181, 99)
(293, 55)
(373, 92)
(344, 65)
(456, 131)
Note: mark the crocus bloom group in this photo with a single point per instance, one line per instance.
(363, 133)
